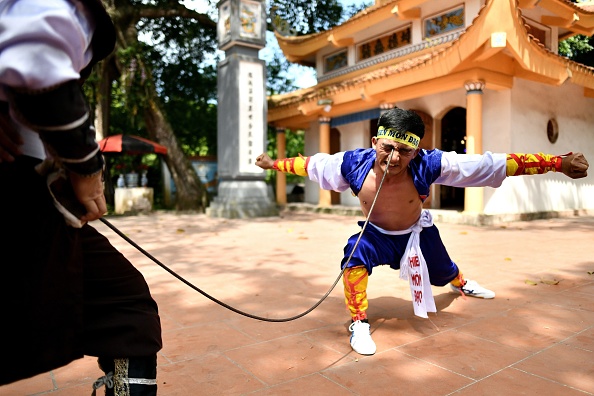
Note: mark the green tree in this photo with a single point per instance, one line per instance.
(170, 74)
(305, 16)
(145, 81)
(578, 48)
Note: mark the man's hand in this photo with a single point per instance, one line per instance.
(575, 166)
(10, 140)
(89, 192)
(264, 161)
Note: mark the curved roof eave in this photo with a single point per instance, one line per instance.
(536, 59)
(302, 48)
(577, 18)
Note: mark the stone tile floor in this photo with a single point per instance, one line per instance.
(535, 338)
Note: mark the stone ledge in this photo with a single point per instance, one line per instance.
(448, 216)
(133, 200)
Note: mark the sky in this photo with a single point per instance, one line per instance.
(304, 77)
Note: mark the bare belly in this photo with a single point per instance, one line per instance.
(395, 220)
(393, 212)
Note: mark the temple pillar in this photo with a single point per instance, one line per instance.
(281, 178)
(473, 196)
(325, 198)
(242, 191)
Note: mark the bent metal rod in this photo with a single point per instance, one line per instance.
(229, 307)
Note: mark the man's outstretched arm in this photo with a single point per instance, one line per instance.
(572, 165)
(321, 168)
(295, 165)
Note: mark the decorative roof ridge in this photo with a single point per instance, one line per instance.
(316, 92)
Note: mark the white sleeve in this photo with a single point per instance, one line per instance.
(472, 170)
(43, 42)
(325, 170)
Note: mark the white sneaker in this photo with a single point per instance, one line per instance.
(361, 341)
(473, 289)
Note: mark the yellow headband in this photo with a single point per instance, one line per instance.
(408, 138)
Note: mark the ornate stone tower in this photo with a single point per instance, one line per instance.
(242, 191)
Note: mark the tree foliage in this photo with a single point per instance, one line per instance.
(578, 48)
(182, 58)
(305, 16)
(277, 79)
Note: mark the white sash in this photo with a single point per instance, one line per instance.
(414, 268)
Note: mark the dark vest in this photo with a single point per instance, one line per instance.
(425, 169)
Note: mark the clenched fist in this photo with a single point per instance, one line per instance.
(575, 166)
(264, 161)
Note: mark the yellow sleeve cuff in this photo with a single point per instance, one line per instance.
(518, 164)
(295, 165)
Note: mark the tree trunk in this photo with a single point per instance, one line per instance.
(107, 72)
(191, 194)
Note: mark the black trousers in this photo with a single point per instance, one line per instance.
(65, 292)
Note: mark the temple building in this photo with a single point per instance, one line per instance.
(484, 75)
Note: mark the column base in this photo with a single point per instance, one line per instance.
(243, 199)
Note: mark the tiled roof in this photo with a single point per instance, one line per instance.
(320, 92)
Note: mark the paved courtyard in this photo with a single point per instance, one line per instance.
(535, 338)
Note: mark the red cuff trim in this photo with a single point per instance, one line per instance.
(559, 161)
(558, 164)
